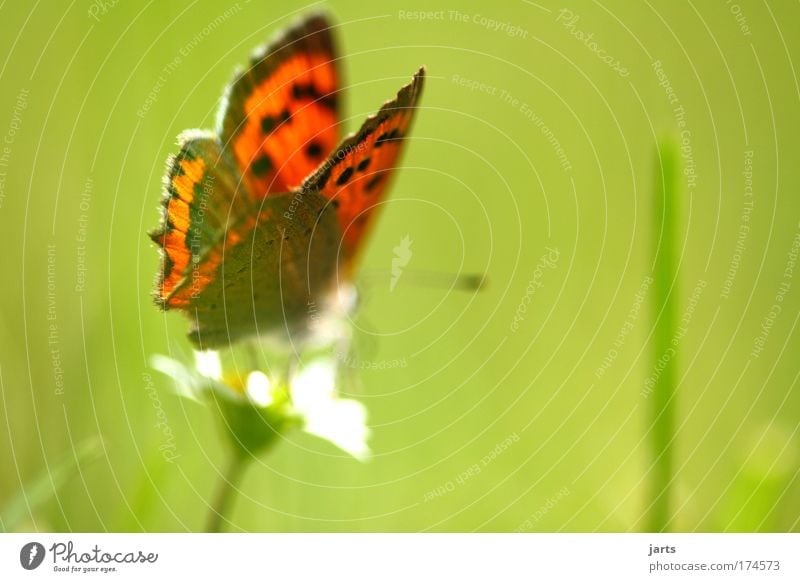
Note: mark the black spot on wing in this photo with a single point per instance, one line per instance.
(374, 181)
(309, 91)
(344, 177)
(267, 124)
(387, 136)
(261, 166)
(314, 149)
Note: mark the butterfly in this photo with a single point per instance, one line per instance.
(262, 219)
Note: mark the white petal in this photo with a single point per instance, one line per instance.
(343, 423)
(259, 388)
(314, 386)
(185, 384)
(208, 364)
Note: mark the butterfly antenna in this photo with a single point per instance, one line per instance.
(428, 279)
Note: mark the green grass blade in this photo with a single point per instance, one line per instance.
(36, 493)
(666, 229)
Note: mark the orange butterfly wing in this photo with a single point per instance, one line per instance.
(277, 135)
(200, 212)
(282, 114)
(355, 176)
(277, 123)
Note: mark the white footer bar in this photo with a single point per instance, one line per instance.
(389, 557)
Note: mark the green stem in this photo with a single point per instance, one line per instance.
(226, 491)
(665, 352)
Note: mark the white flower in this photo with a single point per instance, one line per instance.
(340, 421)
(314, 399)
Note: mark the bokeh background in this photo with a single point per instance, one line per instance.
(534, 159)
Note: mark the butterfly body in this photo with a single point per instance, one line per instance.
(263, 218)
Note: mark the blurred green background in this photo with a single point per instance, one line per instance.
(529, 144)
